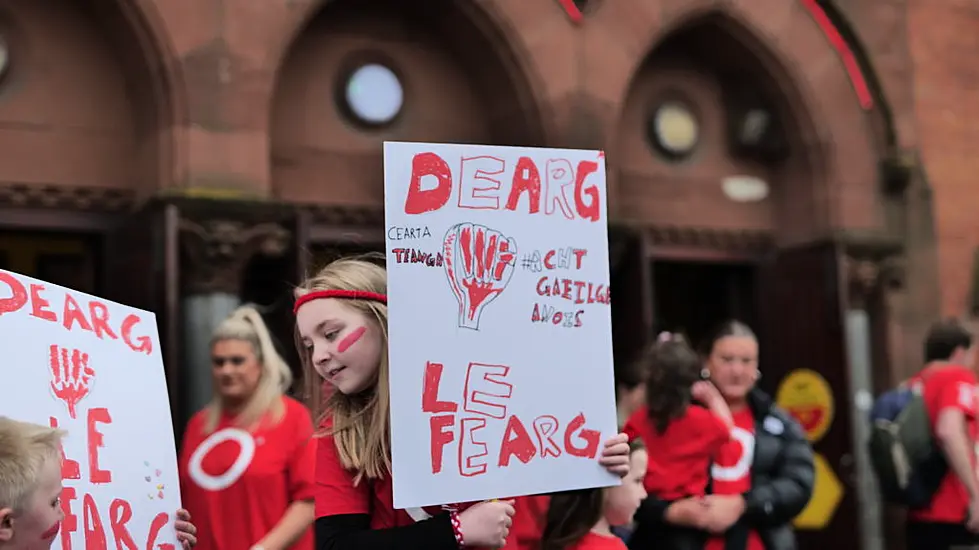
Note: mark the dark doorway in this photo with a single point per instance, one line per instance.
(68, 260)
(694, 297)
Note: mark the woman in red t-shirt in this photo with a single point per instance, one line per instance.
(247, 460)
(583, 519)
(684, 438)
(341, 319)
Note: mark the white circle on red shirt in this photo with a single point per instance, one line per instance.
(219, 482)
(740, 468)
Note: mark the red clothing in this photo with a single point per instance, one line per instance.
(946, 387)
(731, 471)
(237, 484)
(680, 456)
(594, 541)
(528, 522)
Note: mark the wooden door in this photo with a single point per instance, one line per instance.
(631, 295)
(141, 270)
(803, 297)
(269, 283)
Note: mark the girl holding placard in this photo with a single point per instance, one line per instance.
(341, 318)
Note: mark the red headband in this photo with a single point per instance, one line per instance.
(348, 294)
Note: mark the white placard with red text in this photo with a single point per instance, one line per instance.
(93, 368)
(500, 332)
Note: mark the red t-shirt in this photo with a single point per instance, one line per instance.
(680, 456)
(237, 484)
(528, 522)
(594, 541)
(731, 471)
(945, 387)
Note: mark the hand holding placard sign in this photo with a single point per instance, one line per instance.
(93, 368)
(499, 328)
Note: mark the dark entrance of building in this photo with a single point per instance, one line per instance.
(693, 298)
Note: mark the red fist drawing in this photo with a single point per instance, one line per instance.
(479, 263)
(71, 375)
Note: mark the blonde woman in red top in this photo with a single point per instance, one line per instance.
(248, 459)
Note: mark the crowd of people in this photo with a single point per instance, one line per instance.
(707, 460)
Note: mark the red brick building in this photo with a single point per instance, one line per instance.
(801, 164)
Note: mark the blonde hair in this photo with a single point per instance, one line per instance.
(24, 449)
(246, 324)
(361, 427)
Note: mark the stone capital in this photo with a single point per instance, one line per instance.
(215, 252)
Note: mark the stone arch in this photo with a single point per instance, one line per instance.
(834, 149)
(114, 53)
(484, 92)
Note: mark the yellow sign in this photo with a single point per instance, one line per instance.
(807, 396)
(826, 496)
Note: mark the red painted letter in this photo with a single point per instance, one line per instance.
(18, 294)
(159, 522)
(95, 441)
(440, 438)
(94, 532)
(593, 209)
(120, 512)
(39, 305)
(69, 467)
(516, 442)
(491, 401)
(100, 319)
(470, 448)
(545, 427)
(70, 524)
(430, 391)
(143, 343)
(420, 201)
(591, 437)
(526, 177)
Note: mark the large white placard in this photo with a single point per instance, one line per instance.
(500, 327)
(93, 367)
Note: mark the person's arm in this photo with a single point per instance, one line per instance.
(788, 489)
(300, 475)
(289, 529)
(353, 532)
(953, 438)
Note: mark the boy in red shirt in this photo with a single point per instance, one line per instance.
(949, 391)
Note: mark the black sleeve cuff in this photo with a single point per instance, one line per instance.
(353, 532)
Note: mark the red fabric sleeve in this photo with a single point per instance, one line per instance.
(633, 426)
(302, 462)
(528, 522)
(956, 390)
(335, 492)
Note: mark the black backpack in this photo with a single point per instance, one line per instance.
(906, 460)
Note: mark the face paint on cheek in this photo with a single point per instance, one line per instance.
(350, 339)
(52, 532)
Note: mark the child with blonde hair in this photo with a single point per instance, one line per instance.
(30, 488)
(341, 321)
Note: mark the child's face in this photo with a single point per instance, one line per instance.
(36, 525)
(344, 343)
(622, 502)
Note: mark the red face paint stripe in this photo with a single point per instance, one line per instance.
(350, 339)
(52, 532)
(572, 10)
(853, 70)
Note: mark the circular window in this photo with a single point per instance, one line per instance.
(674, 129)
(373, 94)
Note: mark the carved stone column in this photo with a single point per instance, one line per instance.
(215, 254)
